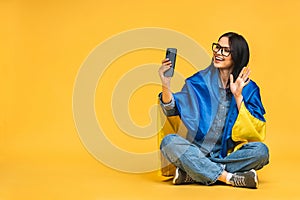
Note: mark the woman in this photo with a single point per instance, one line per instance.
(222, 111)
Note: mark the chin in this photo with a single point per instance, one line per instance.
(218, 65)
(221, 65)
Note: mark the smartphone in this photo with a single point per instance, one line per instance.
(171, 54)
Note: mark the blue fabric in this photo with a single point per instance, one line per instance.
(198, 101)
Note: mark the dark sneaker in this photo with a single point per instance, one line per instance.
(181, 177)
(245, 179)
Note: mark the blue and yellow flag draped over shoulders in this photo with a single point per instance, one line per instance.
(197, 105)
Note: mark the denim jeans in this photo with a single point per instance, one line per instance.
(206, 169)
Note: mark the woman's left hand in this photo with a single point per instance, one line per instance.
(241, 81)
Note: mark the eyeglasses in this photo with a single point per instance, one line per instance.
(225, 51)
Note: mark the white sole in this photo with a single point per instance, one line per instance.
(176, 176)
(255, 177)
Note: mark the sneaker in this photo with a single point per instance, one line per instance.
(181, 177)
(245, 179)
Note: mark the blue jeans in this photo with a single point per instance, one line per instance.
(206, 169)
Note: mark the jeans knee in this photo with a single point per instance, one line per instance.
(167, 140)
(261, 152)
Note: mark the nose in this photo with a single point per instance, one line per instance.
(219, 51)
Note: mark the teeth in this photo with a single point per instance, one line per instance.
(218, 58)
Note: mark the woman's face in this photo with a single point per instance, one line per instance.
(220, 61)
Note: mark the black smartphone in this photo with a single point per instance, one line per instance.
(171, 54)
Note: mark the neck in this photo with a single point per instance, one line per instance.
(224, 76)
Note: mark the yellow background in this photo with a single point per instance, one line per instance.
(44, 43)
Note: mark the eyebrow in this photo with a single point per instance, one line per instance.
(223, 46)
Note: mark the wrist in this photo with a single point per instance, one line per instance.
(165, 86)
(238, 98)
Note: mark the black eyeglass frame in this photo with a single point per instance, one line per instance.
(220, 47)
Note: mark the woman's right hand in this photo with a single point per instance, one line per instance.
(166, 64)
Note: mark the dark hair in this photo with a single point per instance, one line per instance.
(240, 52)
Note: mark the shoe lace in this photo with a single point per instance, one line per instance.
(239, 180)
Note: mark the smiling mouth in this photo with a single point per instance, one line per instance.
(219, 58)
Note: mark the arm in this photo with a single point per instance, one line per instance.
(250, 125)
(166, 98)
(170, 108)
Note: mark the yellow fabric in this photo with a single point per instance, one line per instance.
(168, 125)
(247, 128)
